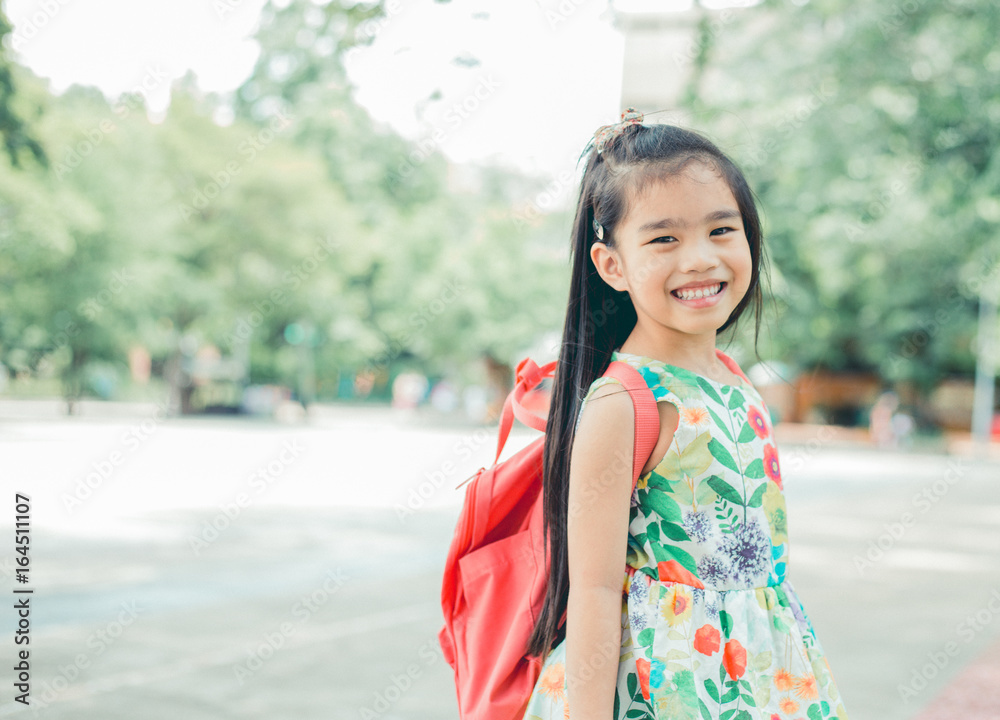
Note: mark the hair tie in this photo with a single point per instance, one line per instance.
(606, 135)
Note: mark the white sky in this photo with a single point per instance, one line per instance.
(546, 81)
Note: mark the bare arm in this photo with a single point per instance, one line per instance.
(600, 484)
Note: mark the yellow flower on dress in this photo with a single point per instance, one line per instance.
(551, 682)
(675, 604)
(696, 416)
(788, 706)
(784, 680)
(806, 688)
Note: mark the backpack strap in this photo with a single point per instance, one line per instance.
(530, 375)
(647, 417)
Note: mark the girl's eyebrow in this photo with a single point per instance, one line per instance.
(714, 216)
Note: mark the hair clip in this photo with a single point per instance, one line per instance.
(605, 135)
(599, 229)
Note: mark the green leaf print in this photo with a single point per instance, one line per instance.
(663, 505)
(712, 689)
(633, 683)
(746, 434)
(725, 490)
(666, 553)
(762, 660)
(704, 494)
(653, 532)
(726, 622)
(758, 496)
(617, 703)
(645, 638)
(674, 531)
(743, 715)
(814, 713)
(705, 712)
(728, 714)
(694, 460)
(720, 453)
(748, 700)
(755, 470)
(709, 390)
(718, 421)
(731, 694)
(735, 400)
(655, 480)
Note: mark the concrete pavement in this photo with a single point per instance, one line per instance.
(310, 603)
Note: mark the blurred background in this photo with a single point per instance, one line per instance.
(267, 267)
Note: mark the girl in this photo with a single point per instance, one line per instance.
(675, 595)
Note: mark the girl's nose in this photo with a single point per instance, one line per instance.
(698, 255)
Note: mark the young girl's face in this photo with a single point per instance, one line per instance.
(682, 255)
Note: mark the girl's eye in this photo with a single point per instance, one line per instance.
(665, 238)
(721, 230)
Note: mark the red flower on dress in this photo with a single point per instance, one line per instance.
(642, 665)
(757, 422)
(771, 468)
(706, 639)
(673, 571)
(734, 659)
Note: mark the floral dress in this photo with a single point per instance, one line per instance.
(711, 626)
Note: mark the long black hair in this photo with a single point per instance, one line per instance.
(599, 318)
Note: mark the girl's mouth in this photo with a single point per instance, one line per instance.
(700, 297)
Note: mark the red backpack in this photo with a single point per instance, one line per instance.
(496, 573)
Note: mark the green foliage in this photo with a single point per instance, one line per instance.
(186, 233)
(868, 133)
(17, 109)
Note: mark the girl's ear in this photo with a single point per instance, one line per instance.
(609, 266)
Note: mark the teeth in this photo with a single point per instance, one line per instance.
(700, 292)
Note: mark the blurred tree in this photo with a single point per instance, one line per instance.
(426, 280)
(869, 134)
(14, 130)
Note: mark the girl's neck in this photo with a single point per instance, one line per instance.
(695, 354)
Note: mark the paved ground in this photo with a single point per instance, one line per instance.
(242, 569)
